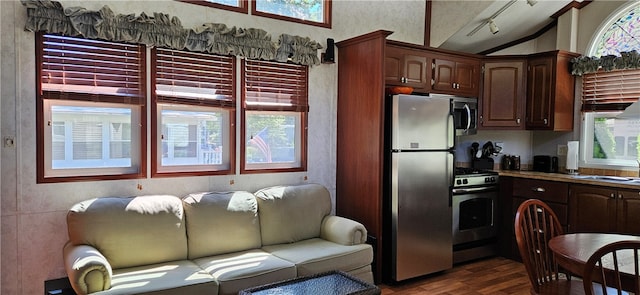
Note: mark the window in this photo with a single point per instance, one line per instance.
(608, 139)
(193, 113)
(312, 12)
(91, 101)
(275, 117)
(621, 35)
(611, 141)
(232, 5)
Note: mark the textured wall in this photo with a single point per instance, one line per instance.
(33, 228)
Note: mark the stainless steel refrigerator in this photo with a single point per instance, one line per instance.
(421, 177)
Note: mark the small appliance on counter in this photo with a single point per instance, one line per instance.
(548, 164)
(510, 162)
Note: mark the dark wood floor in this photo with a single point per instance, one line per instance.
(495, 276)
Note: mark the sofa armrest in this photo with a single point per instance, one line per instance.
(88, 270)
(343, 231)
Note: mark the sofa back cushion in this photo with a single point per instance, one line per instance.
(219, 223)
(292, 213)
(131, 231)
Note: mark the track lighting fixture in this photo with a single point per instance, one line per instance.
(493, 27)
(532, 2)
(490, 19)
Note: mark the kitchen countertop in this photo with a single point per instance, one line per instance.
(634, 183)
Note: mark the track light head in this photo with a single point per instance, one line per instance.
(532, 2)
(493, 27)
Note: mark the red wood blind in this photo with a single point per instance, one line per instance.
(610, 91)
(194, 78)
(84, 69)
(275, 86)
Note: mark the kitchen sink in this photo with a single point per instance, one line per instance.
(609, 178)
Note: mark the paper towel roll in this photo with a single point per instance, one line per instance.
(573, 148)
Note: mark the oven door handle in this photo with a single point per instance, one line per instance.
(460, 191)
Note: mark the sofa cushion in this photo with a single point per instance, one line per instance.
(292, 213)
(177, 277)
(236, 271)
(317, 255)
(219, 223)
(131, 231)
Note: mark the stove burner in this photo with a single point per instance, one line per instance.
(468, 170)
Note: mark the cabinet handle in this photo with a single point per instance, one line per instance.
(403, 80)
(538, 189)
(518, 121)
(620, 196)
(613, 195)
(546, 121)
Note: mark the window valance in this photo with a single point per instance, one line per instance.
(162, 30)
(589, 64)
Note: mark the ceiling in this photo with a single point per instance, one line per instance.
(517, 20)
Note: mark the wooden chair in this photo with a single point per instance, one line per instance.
(535, 225)
(614, 256)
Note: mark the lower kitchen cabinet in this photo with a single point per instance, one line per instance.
(604, 209)
(579, 207)
(514, 191)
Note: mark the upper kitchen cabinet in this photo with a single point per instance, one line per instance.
(407, 67)
(550, 91)
(456, 75)
(503, 94)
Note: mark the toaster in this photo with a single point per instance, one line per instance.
(547, 164)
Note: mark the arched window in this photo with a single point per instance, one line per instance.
(610, 141)
(621, 33)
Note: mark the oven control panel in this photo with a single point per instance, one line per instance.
(476, 180)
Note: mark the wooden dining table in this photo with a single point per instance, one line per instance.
(573, 250)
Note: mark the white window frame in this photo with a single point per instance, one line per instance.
(133, 167)
(297, 162)
(226, 141)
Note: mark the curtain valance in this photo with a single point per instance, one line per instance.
(162, 30)
(586, 64)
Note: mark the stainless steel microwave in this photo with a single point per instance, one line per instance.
(465, 115)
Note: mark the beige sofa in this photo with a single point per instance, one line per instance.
(210, 243)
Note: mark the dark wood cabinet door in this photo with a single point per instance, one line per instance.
(550, 91)
(393, 66)
(592, 209)
(628, 212)
(503, 95)
(443, 75)
(540, 93)
(456, 76)
(415, 70)
(405, 67)
(467, 78)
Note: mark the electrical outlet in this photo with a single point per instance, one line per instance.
(562, 150)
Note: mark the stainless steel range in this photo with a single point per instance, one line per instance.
(475, 208)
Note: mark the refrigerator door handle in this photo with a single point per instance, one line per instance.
(450, 172)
